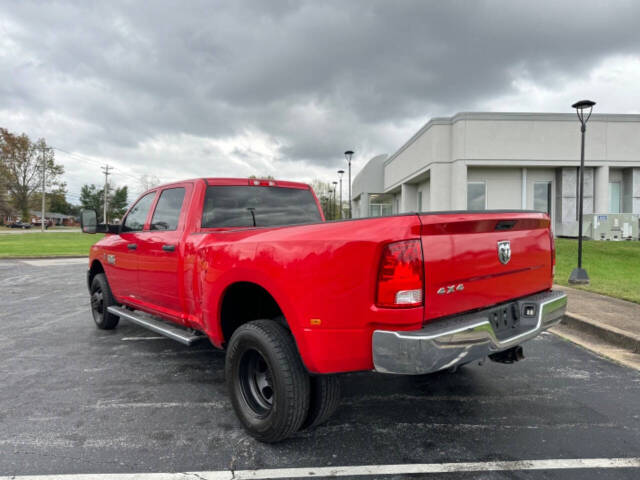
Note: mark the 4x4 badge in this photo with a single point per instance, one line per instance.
(450, 289)
(504, 251)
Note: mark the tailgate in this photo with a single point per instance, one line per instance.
(463, 269)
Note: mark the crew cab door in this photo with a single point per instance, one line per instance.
(160, 267)
(121, 259)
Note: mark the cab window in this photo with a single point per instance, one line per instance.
(167, 212)
(240, 206)
(134, 222)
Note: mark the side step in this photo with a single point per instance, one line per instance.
(154, 324)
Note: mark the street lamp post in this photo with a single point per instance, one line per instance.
(583, 109)
(335, 187)
(329, 206)
(340, 173)
(348, 154)
(325, 205)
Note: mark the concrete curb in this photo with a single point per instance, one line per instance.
(615, 336)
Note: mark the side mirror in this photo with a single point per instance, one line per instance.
(89, 221)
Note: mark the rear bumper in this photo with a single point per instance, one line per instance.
(461, 339)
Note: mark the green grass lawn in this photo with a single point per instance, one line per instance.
(46, 244)
(613, 267)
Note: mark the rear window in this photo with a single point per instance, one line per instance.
(240, 206)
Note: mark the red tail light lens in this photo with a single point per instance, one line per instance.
(553, 254)
(401, 275)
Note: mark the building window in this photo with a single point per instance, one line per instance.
(542, 197)
(614, 197)
(476, 196)
(380, 205)
(419, 201)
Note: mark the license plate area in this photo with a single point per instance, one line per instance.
(512, 319)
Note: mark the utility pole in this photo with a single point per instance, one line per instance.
(105, 170)
(44, 172)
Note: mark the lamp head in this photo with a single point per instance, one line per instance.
(582, 104)
(348, 154)
(340, 172)
(584, 109)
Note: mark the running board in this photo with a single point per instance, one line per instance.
(154, 324)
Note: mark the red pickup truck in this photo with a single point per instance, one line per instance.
(253, 266)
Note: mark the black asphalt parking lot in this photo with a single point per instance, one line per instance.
(74, 399)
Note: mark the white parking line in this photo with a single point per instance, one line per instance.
(52, 262)
(127, 339)
(103, 405)
(362, 470)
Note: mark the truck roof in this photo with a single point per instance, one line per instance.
(251, 181)
(241, 181)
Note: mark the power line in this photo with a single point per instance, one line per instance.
(84, 158)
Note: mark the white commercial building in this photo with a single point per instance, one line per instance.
(478, 161)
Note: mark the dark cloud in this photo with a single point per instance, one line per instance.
(314, 77)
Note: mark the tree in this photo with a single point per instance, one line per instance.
(56, 201)
(5, 208)
(118, 202)
(327, 198)
(21, 162)
(147, 182)
(92, 198)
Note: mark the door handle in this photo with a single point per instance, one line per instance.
(132, 246)
(168, 248)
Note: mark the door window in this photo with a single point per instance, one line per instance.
(542, 197)
(138, 214)
(167, 212)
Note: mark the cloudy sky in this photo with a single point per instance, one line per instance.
(186, 89)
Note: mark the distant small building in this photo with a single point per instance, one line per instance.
(478, 161)
(59, 219)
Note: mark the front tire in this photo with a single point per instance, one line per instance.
(101, 299)
(267, 382)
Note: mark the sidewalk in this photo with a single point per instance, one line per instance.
(19, 231)
(604, 324)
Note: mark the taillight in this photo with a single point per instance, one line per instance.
(401, 275)
(553, 254)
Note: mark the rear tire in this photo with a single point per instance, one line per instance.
(324, 400)
(101, 299)
(267, 382)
